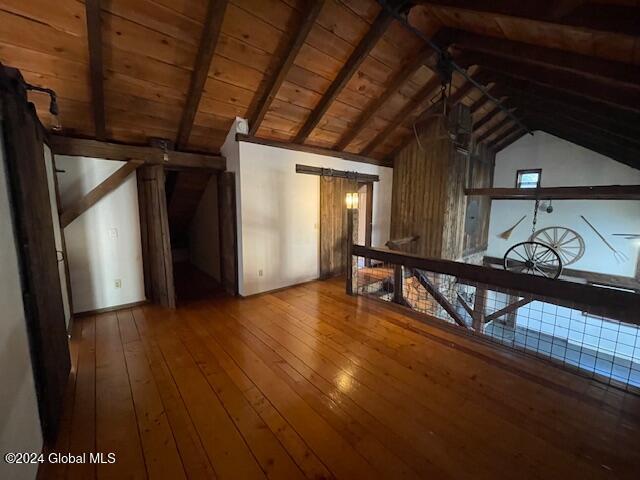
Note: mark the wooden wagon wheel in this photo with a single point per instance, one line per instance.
(567, 243)
(535, 258)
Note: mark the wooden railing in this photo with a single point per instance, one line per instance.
(615, 304)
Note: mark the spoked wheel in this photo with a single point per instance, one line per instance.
(567, 243)
(534, 258)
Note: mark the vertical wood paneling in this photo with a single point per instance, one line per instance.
(481, 177)
(428, 194)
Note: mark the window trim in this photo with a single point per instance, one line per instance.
(529, 170)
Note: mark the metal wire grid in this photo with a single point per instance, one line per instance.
(601, 348)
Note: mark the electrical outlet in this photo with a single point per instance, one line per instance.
(113, 233)
(118, 283)
(260, 272)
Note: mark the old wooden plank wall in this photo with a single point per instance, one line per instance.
(428, 198)
(480, 176)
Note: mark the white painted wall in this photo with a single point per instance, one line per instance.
(19, 420)
(280, 214)
(204, 236)
(566, 164)
(103, 244)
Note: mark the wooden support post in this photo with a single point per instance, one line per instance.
(349, 251)
(83, 204)
(398, 293)
(479, 304)
(156, 241)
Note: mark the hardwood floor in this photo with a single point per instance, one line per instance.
(308, 382)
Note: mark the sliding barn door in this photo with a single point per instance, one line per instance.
(157, 259)
(228, 232)
(58, 235)
(333, 225)
(23, 143)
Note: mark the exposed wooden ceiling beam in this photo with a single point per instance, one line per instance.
(410, 107)
(312, 9)
(517, 87)
(587, 139)
(81, 147)
(496, 147)
(376, 31)
(455, 97)
(623, 97)
(599, 192)
(94, 38)
(298, 147)
(482, 101)
(604, 125)
(488, 116)
(494, 129)
(613, 73)
(208, 42)
(616, 19)
(112, 182)
(425, 56)
(508, 133)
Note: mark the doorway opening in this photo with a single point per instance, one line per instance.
(188, 234)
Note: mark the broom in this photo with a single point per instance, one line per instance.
(507, 233)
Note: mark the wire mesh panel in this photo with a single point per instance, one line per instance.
(602, 348)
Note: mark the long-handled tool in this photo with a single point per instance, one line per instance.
(618, 255)
(507, 233)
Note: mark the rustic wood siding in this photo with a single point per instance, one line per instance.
(428, 194)
(481, 176)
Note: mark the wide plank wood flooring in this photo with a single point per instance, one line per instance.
(310, 383)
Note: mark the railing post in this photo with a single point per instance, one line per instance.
(398, 296)
(349, 251)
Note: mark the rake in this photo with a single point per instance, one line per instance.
(618, 255)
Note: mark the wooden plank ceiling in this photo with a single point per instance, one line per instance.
(329, 73)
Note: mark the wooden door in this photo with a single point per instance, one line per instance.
(63, 268)
(23, 140)
(333, 225)
(227, 218)
(157, 259)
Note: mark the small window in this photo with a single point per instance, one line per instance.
(528, 178)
